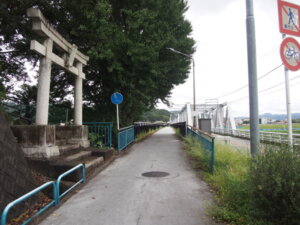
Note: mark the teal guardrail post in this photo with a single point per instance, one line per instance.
(110, 135)
(29, 194)
(82, 180)
(133, 134)
(212, 162)
(125, 137)
(119, 141)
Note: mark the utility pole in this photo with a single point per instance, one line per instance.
(194, 82)
(252, 77)
(194, 95)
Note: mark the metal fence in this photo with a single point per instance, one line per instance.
(125, 137)
(82, 180)
(207, 142)
(56, 195)
(100, 133)
(181, 126)
(268, 137)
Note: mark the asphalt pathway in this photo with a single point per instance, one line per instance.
(120, 195)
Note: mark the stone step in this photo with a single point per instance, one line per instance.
(92, 163)
(61, 142)
(60, 166)
(69, 149)
(77, 157)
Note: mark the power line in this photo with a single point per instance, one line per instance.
(241, 88)
(237, 100)
(277, 67)
(277, 85)
(281, 89)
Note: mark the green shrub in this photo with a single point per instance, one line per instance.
(95, 140)
(275, 185)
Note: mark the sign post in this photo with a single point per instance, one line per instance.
(117, 98)
(289, 23)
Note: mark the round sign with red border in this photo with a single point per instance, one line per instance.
(290, 53)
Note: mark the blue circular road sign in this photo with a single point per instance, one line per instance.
(116, 98)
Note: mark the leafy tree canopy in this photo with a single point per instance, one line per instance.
(126, 41)
(156, 115)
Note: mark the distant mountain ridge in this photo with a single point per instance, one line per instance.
(274, 116)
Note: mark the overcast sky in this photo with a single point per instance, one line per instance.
(219, 28)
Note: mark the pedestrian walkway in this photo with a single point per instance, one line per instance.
(120, 195)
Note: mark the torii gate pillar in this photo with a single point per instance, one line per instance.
(78, 98)
(42, 105)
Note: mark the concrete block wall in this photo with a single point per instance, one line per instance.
(15, 176)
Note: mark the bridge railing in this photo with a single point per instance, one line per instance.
(270, 137)
(100, 133)
(146, 127)
(125, 137)
(207, 141)
(181, 126)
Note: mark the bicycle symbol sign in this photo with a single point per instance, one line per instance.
(290, 53)
(289, 18)
(116, 98)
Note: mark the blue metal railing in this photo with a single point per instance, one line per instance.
(100, 132)
(56, 195)
(24, 197)
(125, 137)
(82, 180)
(208, 143)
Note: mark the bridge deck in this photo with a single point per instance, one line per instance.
(121, 196)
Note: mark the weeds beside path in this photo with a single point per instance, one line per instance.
(259, 191)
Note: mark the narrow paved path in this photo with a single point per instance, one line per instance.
(119, 195)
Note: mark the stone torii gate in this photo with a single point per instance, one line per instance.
(43, 141)
(70, 56)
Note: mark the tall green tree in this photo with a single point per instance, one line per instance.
(155, 115)
(126, 41)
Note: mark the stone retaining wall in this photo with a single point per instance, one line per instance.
(15, 176)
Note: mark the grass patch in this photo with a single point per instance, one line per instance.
(177, 131)
(259, 191)
(229, 180)
(275, 126)
(201, 157)
(143, 135)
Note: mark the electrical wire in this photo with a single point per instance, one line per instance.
(241, 88)
(280, 89)
(277, 85)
